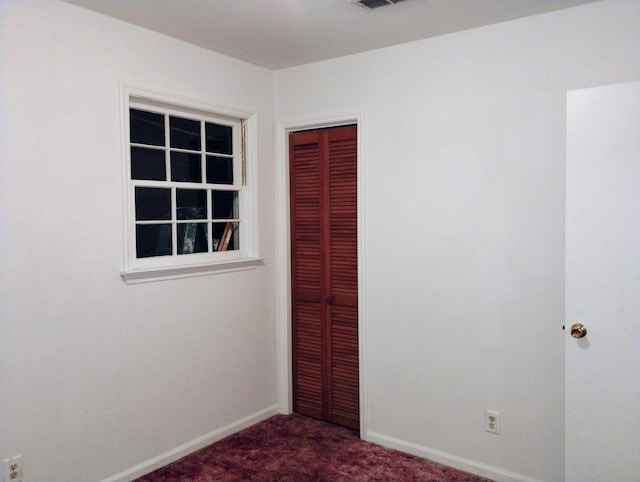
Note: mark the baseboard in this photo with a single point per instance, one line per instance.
(189, 447)
(476, 468)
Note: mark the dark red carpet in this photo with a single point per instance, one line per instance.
(292, 448)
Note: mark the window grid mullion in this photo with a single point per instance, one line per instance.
(167, 150)
(174, 222)
(209, 221)
(184, 185)
(203, 154)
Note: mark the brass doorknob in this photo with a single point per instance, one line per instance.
(578, 330)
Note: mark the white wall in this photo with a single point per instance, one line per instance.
(464, 154)
(98, 376)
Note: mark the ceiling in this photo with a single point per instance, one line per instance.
(284, 33)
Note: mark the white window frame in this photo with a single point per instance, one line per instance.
(138, 270)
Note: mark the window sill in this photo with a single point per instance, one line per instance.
(161, 274)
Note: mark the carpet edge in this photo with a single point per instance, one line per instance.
(189, 447)
(470, 466)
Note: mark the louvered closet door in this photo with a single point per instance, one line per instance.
(324, 276)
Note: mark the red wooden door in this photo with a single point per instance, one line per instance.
(324, 274)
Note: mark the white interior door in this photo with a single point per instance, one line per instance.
(602, 438)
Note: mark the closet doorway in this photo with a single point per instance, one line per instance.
(324, 274)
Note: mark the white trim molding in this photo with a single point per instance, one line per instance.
(189, 271)
(190, 447)
(482, 470)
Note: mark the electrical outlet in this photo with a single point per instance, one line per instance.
(13, 469)
(492, 421)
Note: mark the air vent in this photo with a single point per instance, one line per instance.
(375, 3)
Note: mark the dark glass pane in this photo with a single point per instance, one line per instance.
(153, 203)
(153, 240)
(185, 167)
(148, 164)
(224, 204)
(219, 170)
(185, 133)
(192, 238)
(191, 203)
(218, 138)
(146, 127)
(225, 236)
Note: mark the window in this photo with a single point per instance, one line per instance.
(188, 190)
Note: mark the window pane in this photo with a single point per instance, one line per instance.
(218, 138)
(148, 164)
(219, 170)
(185, 167)
(153, 240)
(185, 133)
(224, 204)
(191, 203)
(192, 238)
(225, 236)
(146, 127)
(153, 203)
